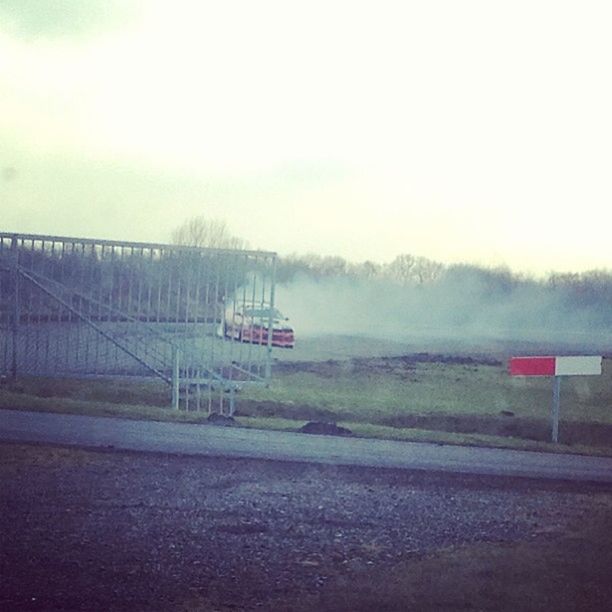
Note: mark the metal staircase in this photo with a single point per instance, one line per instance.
(78, 308)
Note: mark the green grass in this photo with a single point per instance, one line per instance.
(407, 434)
(436, 388)
(390, 399)
(67, 405)
(21, 401)
(113, 391)
(471, 401)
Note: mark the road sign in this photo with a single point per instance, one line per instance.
(556, 366)
(581, 365)
(532, 366)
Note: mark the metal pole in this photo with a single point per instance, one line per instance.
(16, 311)
(232, 400)
(176, 386)
(555, 408)
(268, 364)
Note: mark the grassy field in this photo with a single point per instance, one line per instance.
(384, 389)
(419, 397)
(435, 393)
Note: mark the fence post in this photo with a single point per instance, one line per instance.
(555, 408)
(268, 364)
(176, 382)
(16, 314)
(232, 400)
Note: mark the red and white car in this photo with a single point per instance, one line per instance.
(250, 322)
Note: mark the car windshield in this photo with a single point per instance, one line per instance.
(263, 312)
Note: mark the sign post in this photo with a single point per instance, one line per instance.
(556, 367)
(556, 408)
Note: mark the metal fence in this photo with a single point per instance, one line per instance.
(76, 307)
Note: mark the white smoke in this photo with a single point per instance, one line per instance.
(454, 306)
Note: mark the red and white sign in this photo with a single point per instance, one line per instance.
(555, 366)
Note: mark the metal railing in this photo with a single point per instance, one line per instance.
(78, 307)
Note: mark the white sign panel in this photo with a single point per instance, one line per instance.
(578, 366)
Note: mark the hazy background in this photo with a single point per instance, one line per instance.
(460, 131)
(414, 300)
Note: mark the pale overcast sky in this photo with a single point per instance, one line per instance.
(457, 130)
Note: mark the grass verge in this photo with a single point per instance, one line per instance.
(405, 398)
(61, 405)
(381, 432)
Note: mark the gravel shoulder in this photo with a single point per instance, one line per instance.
(93, 530)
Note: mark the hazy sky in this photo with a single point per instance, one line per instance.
(457, 130)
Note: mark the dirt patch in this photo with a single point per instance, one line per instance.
(221, 420)
(505, 425)
(297, 412)
(326, 429)
(371, 365)
(596, 434)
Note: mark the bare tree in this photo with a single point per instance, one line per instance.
(427, 270)
(401, 268)
(408, 268)
(209, 233)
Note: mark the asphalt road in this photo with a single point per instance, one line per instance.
(209, 440)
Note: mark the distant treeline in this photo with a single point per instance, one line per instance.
(592, 288)
(411, 269)
(404, 268)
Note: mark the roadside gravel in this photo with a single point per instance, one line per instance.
(84, 530)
